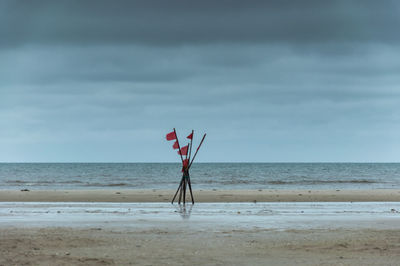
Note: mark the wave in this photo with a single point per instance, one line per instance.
(71, 182)
(15, 182)
(281, 182)
(106, 185)
(316, 182)
(41, 182)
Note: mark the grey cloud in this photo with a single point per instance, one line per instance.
(198, 22)
(278, 75)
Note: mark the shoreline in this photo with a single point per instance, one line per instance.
(155, 195)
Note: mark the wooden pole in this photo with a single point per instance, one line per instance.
(188, 176)
(179, 147)
(180, 192)
(190, 150)
(184, 168)
(184, 190)
(190, 189)
(180, 185)
(201, 142)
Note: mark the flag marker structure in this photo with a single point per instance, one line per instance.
(185, 154)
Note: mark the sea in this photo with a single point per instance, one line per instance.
(207, 176)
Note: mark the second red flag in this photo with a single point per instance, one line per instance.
(176, 145)
(183, 150)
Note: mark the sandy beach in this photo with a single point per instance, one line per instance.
(96, 246)
(200, 195)
(270, 233)
(224, 227)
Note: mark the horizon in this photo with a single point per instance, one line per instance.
(201, 162)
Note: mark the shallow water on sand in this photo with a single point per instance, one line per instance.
(203, 216)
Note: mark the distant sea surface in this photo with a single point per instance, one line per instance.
(203, 175)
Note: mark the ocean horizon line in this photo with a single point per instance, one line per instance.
(221, 162)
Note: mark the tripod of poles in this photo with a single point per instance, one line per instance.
(186, 164)
(185, 181)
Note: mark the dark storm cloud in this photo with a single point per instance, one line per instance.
(278, 80)
(197, 22)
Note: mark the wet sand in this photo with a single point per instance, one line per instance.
(300, 233)
(200, 195)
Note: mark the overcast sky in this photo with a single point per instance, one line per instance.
(268, 81)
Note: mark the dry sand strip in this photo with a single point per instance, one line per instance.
(133, 195)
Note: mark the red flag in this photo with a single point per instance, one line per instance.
(183, 150)
(176, 145)
(171, 135)
(185, 164)
(190, 136)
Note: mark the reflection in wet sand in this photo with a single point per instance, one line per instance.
(184, 210)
